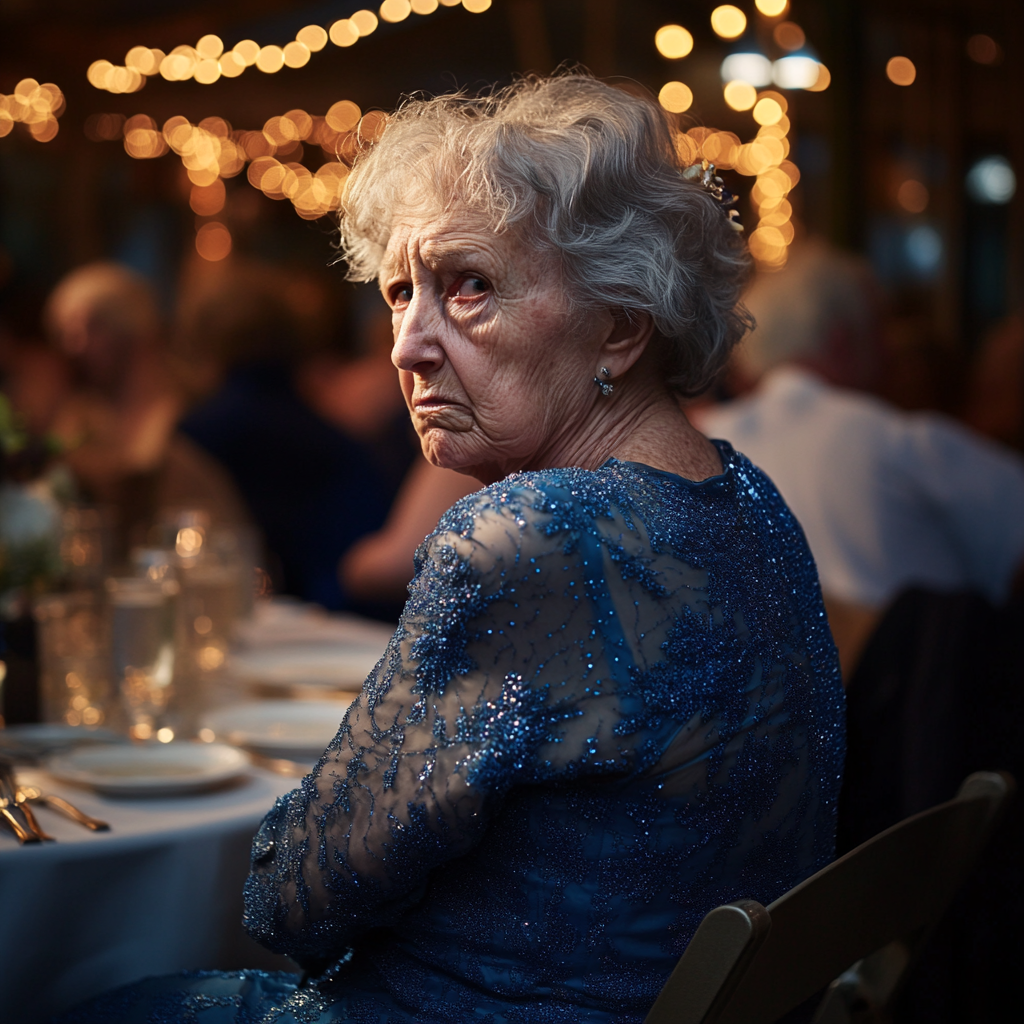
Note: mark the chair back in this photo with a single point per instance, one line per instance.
(853, 928)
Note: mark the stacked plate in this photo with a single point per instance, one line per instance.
(288, 670)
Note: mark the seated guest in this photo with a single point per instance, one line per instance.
(888, 500)
(379, 566)
(612, 702)
(116, 418)
(315, 478)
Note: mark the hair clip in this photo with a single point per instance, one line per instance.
(703, 174)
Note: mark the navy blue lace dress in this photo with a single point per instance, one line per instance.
(611, 704)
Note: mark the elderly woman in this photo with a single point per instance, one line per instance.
(612, 702)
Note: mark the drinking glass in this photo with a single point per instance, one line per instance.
(74, 656)
(142, 626)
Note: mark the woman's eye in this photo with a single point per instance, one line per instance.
(470, 287)
(401, 295)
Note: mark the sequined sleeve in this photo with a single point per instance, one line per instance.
(494, 678)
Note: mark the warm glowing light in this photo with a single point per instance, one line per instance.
(675, 97)
(823, 80)
(313, 37)
(912, 196)
(165, 735)
(673, 41)
(395, 10)
(984, 50)
(44, 131)
(144, 60)
(771, 8)
(206, 735)
(210, 47)
(207, 71)
(721, 149)
(213, 242)
(232, 64)
(364, 22)
(248, 50)
(728, 21)
(476, 6)
(209, 199)
(271, 59)
(901, 71)
(344, 33)
(789, 35)
(343, 116)
(211, 657)
(142, 141)
(424, 6)
(767, 111)
(296, 54)
(141, 731)
(740, 95)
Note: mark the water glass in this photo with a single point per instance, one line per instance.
(142, 647)
(74, 656)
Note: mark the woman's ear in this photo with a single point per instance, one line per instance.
(626, 341)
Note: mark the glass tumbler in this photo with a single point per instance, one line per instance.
(74, 656)
(142, 627)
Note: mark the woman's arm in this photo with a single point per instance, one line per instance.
(380, 564)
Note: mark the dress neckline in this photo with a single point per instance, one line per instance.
(725, 451)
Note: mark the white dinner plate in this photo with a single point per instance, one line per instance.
(296, 730)
(150, 769)
(319, 666)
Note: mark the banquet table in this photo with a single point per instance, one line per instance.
(160, 892)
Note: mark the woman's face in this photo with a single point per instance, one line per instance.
(496, 373)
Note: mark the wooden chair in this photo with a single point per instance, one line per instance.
(850, 931)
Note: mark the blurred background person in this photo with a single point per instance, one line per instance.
(114, 405)
(887, 499)
(316, 438)
(380, 565)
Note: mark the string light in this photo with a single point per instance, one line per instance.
(901, 71)
(37, 106)
(675, 97)
(208, 61)
(771, 8)
(673, 41)
(728, 21)
(789, 35)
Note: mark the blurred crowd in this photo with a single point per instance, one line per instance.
(268, 399)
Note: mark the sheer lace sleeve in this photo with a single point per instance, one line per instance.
(495, 677)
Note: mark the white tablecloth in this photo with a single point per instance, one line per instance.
(160, 892)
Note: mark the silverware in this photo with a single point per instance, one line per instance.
(34, 794)
(20, 819)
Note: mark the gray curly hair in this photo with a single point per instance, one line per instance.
(586, 171)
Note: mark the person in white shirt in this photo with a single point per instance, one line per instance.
(888, 500)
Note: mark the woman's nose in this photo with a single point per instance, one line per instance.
(418, 347)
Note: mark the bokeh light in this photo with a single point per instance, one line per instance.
(395, 10)
(213, 241)
(754, 68)
(767, 111)
(476, 6)
(675, 97)
(343, 33)
(771, 8)
(789, 35)
(424, 6)
(364, 22)
(991, 181)
(728, 21)
(901, 71)
(673, 41)
(740, 95)
(912, 196)
(984, 49)
(796, 72)
(270, 59)
(207, 200)
(823, 80)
